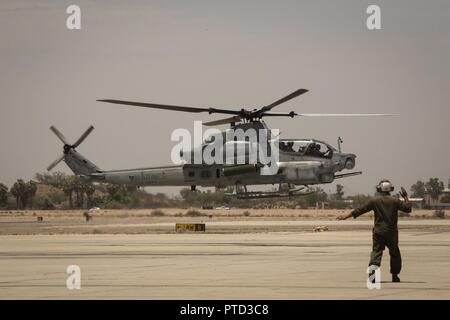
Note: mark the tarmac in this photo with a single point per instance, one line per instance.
(263, 265)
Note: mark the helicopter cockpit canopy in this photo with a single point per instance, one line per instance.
(307, 147)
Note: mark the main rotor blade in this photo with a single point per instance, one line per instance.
(170, 107)
(59, 135)
(83, 136)
(54, 163)
(290, 114)
(223, 121)
(346, 114)
(283, 100)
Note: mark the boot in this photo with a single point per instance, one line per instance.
(372, 274)
(395, 278)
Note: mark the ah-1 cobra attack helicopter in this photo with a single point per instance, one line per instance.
(301, 162)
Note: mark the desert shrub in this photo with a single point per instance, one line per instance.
(56, 196)
(439, 214)
(44, 203)
(99, 201)
(194, 213)
(157, 213)
(115, 205)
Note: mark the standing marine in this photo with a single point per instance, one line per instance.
(385, 231)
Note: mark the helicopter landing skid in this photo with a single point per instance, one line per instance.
(344, 175)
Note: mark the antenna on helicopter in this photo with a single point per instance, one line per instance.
(339, 141)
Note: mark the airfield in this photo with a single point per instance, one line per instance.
(266, 254)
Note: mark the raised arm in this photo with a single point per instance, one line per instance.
(404, 206)
(358, 211)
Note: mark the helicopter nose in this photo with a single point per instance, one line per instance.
(349, 162)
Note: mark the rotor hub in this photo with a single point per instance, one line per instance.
(67, 148)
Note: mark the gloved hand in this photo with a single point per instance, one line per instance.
(343, 216)
(403, 193)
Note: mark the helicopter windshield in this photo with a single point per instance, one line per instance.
(294, 146)
(310, 148)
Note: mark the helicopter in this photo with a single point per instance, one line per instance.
(300, 163)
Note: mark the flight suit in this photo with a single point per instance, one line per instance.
(385, 232)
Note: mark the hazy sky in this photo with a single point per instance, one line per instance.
(228, 54)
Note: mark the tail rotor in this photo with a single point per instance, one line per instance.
(59, 135)
(83, 136)
(55, 163)
(67, 146)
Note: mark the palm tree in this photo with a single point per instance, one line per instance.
(339, 191)
(418, 189)
(31, 191)
(89, 189)
(20, 191)
(3, 194)
(79, 192)
(434, 187)
(68, 188)
(16, 193)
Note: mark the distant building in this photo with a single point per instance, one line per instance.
(418, 202)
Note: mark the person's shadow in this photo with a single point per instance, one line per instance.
(416, 282)
(403, 282)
